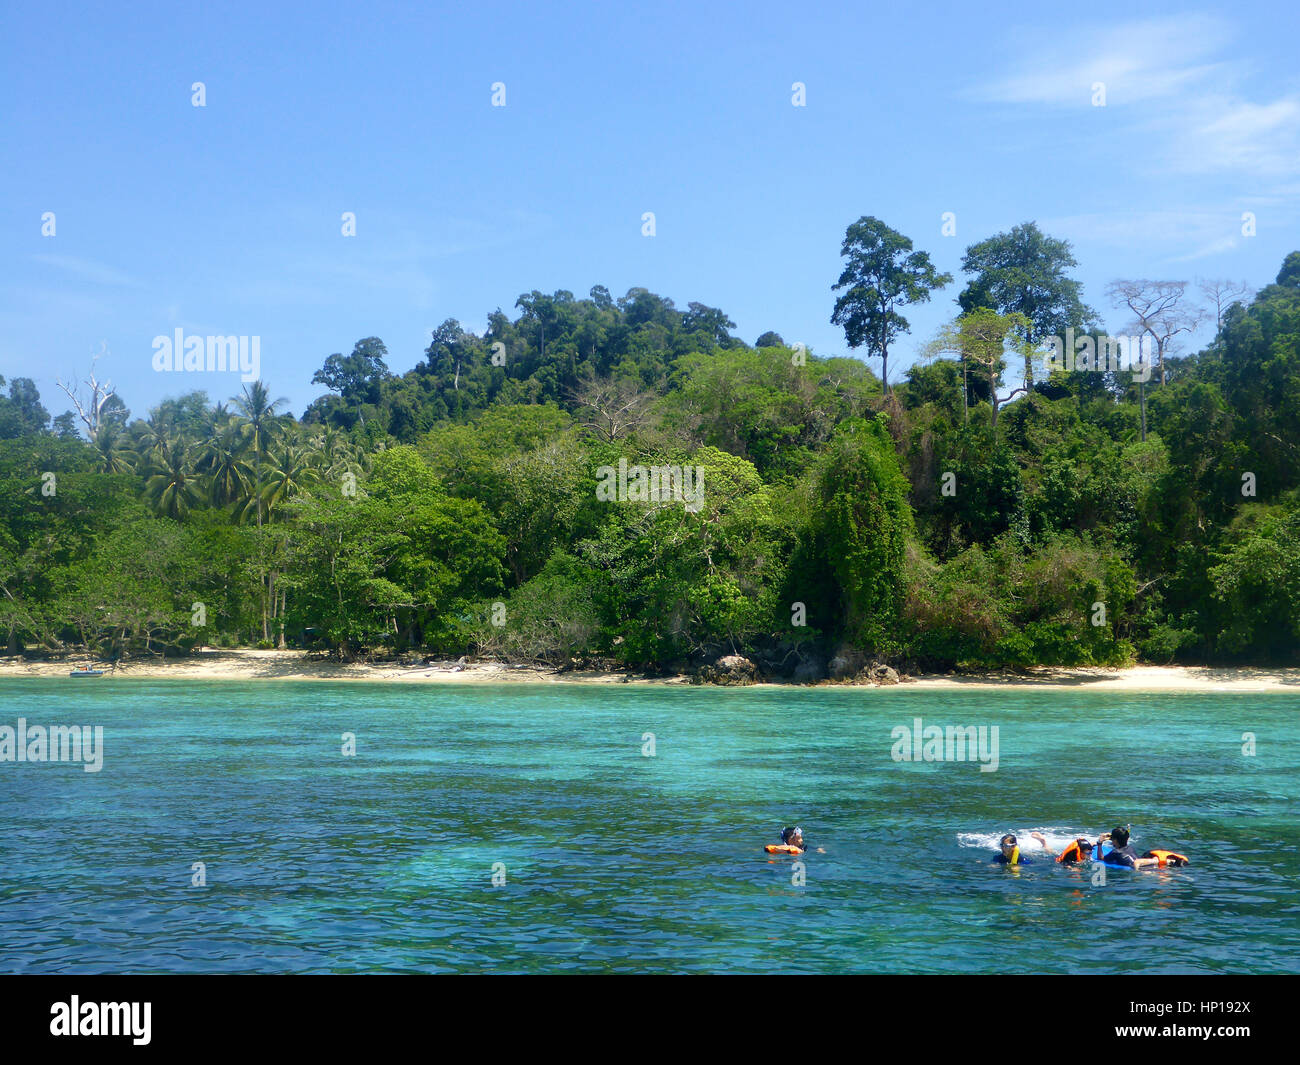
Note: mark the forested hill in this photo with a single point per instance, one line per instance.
(624, 481)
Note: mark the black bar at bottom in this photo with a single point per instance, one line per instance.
(335, 1014)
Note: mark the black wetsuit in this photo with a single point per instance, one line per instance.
(1125, 856)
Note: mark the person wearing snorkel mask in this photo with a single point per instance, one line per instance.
(793, 837)
(1079, 850)
(1009, 850)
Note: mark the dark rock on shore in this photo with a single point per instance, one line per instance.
(878, 674)
(810, 670)
(729, 670)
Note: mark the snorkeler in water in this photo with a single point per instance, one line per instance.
(1116, 842)
(1009, 850)
(1080, 850)
(792, 842)
(1123, 854)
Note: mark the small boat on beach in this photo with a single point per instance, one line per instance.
(86, 671)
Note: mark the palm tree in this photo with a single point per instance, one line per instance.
(151, 436)
(291, 472)
(292, 469)
(173, 488)
(112, 455)
(260, 419)
(217, 419)
(334, 454)
(228, 474)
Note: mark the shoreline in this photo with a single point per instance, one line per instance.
(242, 665)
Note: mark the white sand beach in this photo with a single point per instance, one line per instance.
(296, 665)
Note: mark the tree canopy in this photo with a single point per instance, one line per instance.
(615, 479)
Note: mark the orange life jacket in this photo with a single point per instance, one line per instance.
(782, 848)
(1074, 853)
(1167, 858)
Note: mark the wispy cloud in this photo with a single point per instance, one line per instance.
(1193, 119)
(1215, 247)
(1261, 140)
(1137, 61)
(1164, 236)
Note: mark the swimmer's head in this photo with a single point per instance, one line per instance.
(1119, 836)
(792, 836)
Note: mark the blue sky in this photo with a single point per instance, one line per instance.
(226, 219)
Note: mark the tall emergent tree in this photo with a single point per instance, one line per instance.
(1025, 272)
(356, 377)
(882, 274)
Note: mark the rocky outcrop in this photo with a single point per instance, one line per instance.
(729, 670)
(878, 674)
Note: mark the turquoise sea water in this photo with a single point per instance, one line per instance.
(615, 861)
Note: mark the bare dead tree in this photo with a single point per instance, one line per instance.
(1222, 294)
(612, 407)
(1168, 325)
(1158, 310)
(90, 407)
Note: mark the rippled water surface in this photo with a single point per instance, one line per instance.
(615, 861)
